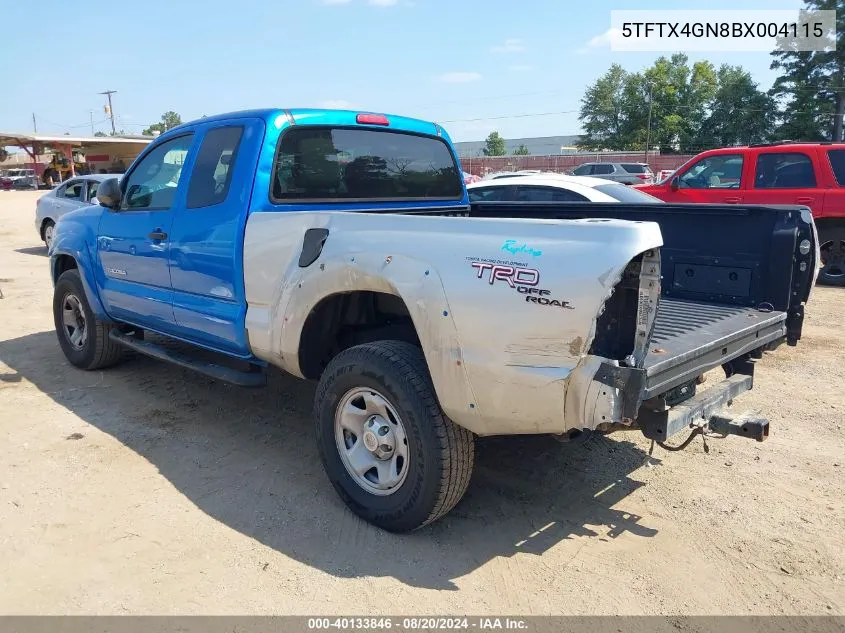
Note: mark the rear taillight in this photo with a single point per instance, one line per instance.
(644, 176)
(372, 119)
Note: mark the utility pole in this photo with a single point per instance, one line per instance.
(648, 125)
(34, 126)
(91, 112)
(109, 109)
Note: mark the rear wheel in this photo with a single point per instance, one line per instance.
(47, 232)
(832, 248)
(83, 338)
(389, 451)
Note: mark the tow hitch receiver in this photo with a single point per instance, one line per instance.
(705, 412)
(747, 425)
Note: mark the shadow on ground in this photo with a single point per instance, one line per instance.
(248, 459)
(33, 250)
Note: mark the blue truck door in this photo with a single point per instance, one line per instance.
(206, 247)
(134, 241)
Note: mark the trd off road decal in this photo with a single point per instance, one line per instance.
(512, 275)
(517, 276)
(543, 298)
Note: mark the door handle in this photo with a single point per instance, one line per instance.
(732, 200)
(804, 200)
(158, 235)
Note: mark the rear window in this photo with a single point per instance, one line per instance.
(784, 170)
(635, 168)
(326, 163)
(624, 193)
(837, 162)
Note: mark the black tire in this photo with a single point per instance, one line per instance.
(98, 350)
(832, 246)
(441, 452)
(48, 224)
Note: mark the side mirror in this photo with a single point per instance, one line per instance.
(675, 184)
(109, 194)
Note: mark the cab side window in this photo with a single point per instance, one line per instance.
(72, 191)
(93, 185)
(602, 169)
(784, 170)
(212, 172)
(714, 172)
(153, 183)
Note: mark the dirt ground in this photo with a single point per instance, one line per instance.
(149, 489)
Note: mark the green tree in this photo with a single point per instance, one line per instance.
(678, 95)
(691, 107)
(615, 110)
(811, 87)
(602, 111)
(521, 151)
(98, 133)
(169, 120)
(740, 113)
(494, 145)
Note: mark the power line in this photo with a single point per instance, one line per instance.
(509, 116)
(68, 127)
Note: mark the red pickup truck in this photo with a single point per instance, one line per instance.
(812, 174)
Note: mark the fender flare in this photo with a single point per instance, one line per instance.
(72, 244)
(417, 284)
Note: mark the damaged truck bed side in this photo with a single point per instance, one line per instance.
(729, 283)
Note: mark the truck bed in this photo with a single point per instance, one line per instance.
(732, 279)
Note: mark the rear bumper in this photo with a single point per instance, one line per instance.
(706, 410)
(663, 404)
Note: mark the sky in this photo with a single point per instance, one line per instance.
(475, 66)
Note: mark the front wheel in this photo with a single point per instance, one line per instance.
(47, 233)
(389, 451)
(83, 338)
(832, 250)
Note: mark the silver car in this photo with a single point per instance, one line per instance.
(72, 194)
(626, 173)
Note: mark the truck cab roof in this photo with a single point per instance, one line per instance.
(319, 116)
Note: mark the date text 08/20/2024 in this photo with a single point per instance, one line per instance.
(416, 623)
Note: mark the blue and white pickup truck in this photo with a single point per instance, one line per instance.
(342, 247)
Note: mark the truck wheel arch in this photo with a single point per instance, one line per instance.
(63, 261)
(61, 264)
(304, 320)
(343, 320)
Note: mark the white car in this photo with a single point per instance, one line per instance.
(14, 178)
(72, 194)
(511, 174)
(550, 187)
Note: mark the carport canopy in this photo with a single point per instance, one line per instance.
(37, 144)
